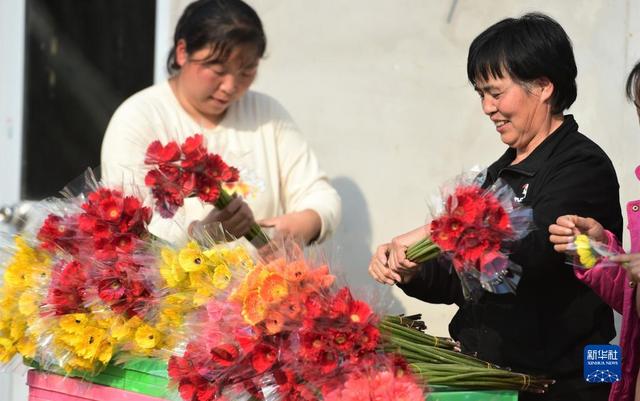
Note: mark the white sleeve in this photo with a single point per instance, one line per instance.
(304, 184)
(129, 133)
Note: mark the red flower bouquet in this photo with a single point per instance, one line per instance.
(475, 230)
(189, 170)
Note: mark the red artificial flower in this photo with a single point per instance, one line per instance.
(264, 356)
(158, 154)
(67, 289)
(194, 151)
(208, 189)
(466, 204)
(368, 339)
(445, 232)
(111, 289)
(57, 233)
(225, 354)
(218, 170)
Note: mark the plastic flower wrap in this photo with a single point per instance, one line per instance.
(287, 332)
(475, 229)
(180, 171)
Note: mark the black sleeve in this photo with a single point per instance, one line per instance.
(584, 184)
(436, 283)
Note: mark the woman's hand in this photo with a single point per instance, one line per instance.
(564, 231)
(631, 262)
(236, 219)
(304, 225)
(398, 261)
(378, 268)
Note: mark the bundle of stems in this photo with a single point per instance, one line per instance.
(435, 360)
(422, 251)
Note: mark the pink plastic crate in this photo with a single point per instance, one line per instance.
(51, 387)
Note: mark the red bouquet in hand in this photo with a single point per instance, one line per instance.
(475, 229)
(189, 170)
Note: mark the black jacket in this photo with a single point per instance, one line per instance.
(543, 328)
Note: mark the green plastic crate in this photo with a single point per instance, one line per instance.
(144, 375)
(497, 395)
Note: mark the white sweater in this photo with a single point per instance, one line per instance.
(256, 135)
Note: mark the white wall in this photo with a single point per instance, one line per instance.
(379, 88)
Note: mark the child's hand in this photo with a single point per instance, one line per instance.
(631, 262)
(565, 229)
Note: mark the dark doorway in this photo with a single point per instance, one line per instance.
(83, 58)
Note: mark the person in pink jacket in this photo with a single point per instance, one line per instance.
(615, 283)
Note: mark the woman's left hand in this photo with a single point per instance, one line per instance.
(631, 262)
(305, 224)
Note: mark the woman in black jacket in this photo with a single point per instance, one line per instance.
(524, 71)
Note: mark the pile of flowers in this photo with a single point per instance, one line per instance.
(288, 333)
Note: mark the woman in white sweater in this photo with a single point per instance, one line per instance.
(217, 48)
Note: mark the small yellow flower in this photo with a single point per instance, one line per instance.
(91, 342)
(17, 329)
(7, 350)
(27, 347)
(74, 323)
(147, 337)
(170, 269)
(587, 256)
(191, 258)
(28, 303)
(221, 277)
(120, 330)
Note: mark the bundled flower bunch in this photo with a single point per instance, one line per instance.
(589, 252)
(192, 276)
(288, 333)
(26, 274)
(189, 170)
(199, 274)
(475, 230)
(102, 281)
(97, 250)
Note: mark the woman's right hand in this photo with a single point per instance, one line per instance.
(564, 231)
(398, 261)
(236, 218)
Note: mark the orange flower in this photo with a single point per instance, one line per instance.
(274, 288)
(274, 322)
(296, 271)
(253, 309)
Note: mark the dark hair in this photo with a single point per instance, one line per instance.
(527, 48)
(221, 24)
(633, 84)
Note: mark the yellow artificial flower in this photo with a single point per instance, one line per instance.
(28, 303)
(120, 330)
(170, 269)
(191, 258)
(147, 337)
(585, 253)
(221, 277)
(17, 329)
(90, 343)
(74, 323)
(7, 350)
(27, 347)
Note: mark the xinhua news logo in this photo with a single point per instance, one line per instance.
(602, 363)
